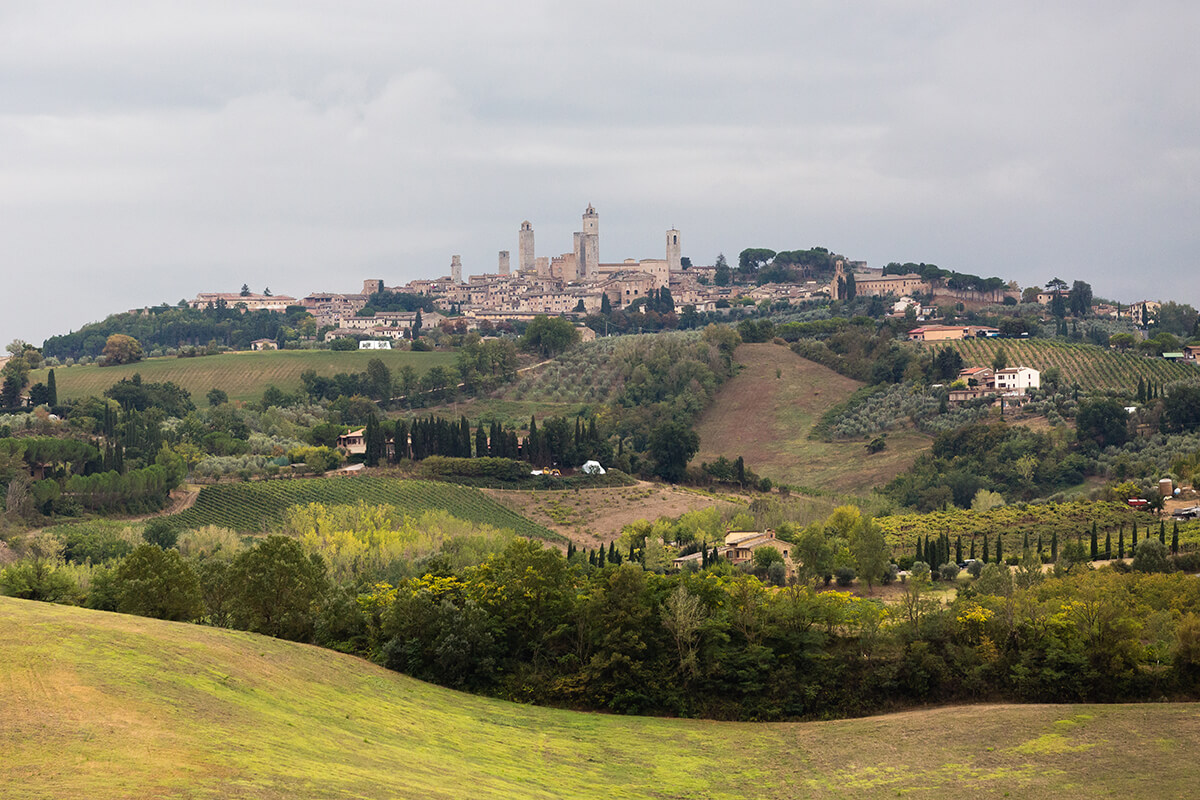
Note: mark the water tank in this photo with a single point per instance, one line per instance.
(1166, 488)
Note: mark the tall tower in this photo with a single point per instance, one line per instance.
(674, 251)
(525, 257)
(504, 263)
(372, 285)
(456, 269)
(587, 252)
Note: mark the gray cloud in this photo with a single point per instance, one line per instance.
(152, 150)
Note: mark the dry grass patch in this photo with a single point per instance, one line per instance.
(766, 412)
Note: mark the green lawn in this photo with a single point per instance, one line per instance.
(242, 375)
(102, 706)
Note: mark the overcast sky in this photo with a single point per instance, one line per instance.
(153, 150)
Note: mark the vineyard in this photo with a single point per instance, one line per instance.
(243, 376)
(1087, 365)
(261, 506)
(1014, 523)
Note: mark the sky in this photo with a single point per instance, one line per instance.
(153, 150)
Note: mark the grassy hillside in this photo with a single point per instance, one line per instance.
(103, 706)
(243, 375)
(260, 505)
(765, 413)
(1089, 366)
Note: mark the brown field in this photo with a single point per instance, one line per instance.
(102, 706)
(596, 516)
(766, 412)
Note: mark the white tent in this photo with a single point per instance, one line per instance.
(592, 468)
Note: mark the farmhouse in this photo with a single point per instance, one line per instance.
(354, 442)
(252, 302)
(264, 344)
(374, 344)
(740, 545)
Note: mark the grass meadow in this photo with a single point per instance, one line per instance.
(104, 706)
(244, 376)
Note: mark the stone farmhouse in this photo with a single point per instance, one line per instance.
(252, 302)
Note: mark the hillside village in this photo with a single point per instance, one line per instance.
(577, 283)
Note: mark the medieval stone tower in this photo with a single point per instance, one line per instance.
(587, 246)
(456, 269)
(372, 285)
(525, 247)
(674, 251)
(505, 268)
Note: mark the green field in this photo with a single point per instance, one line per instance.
(260, 506)
(765, 414)
(104, 706)
(1087, 365)
(243, 376)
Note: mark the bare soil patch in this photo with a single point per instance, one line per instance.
(596, 516)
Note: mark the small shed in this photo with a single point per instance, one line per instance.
(592, 468)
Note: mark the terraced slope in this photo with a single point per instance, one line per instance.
(260, 506)
(104, 706)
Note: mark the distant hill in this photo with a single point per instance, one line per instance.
(101, 706)
(1088, 365)
(242, 375)
(765, 414)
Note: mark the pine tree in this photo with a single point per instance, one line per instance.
(1095, 551)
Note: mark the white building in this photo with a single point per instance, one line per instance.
(371, 344)
(1017, 378)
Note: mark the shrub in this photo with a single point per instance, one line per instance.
(1151, 556)
(160, 531)
(948, 572)
(845, 575)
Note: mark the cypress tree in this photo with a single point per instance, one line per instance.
(704, 556)
(999, 548)
(51, 389)
(972, 547)
(464, 438)
(481, 442)
(1025, 542)
(1108, 546)
(958, 550)
(1175, 539)
(1133, 543)
(1095, 550)
(570, 550)
(591, 558)
(612, 553)
(631, 554)
(1162, 531)
(1121, 542)
(1039, 547)
(1054, 546)
(600, 557)
(985, 548)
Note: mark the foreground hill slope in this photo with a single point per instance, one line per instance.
(98, 705)
(766, 411)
